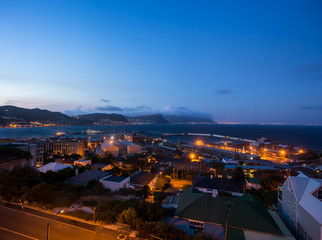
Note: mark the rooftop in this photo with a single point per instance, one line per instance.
(112, 178)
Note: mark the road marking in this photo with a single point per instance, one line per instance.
(18, 233)
(49, 219)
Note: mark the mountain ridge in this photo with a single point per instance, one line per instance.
(16, 115)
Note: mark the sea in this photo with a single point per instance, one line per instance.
(301, 136)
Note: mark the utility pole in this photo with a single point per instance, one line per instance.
(227, 218)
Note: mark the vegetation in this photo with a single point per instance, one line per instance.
(240, 176)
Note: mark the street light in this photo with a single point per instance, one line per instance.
(48, 224)
(94, 217)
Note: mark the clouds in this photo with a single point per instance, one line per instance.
(109, 108)
(184, 112)
(104, 100)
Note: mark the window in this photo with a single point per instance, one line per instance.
(293, 208)
(194, 224)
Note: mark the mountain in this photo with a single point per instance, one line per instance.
(23, 116)
(183, 119)
(12, 114)
(155, 119)
(103, 118)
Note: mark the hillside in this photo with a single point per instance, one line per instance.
(103, 118)
(12, 114)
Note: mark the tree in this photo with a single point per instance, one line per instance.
(42, 193)
(128, 216)
(158, 197)
(163, 182)
(271, 182)
(239, 176)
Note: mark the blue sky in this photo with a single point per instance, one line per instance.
(236, 61)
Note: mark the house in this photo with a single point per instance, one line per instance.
(53, 166)
(86, 176)
(253, 183)
(143, 178)
(300, 205)
(109, 146)
(214, 185)
(247, 219)
(101, 166)
(114, 183)
(82, 162)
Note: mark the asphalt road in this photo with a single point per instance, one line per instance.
(16, 224)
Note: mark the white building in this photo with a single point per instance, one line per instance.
(114, 183)
(300, 204)
(127, 147)
(53, 166)
(111, 147)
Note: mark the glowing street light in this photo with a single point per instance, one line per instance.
(48, 224)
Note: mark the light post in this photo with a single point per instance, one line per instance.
(227, 218)
(48, 224)
(94, 217)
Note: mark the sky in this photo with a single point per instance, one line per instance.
(233, 61)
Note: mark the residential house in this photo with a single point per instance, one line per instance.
(82, 162)
(253, 183)
(114, 183)
(53, 166)
(300, 205)
(101, 166)
(143, 178)
(86, 176)
(247, 219)
(214, 185)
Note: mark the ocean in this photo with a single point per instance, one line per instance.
(301, 136)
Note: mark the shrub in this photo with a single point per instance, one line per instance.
(80, 214)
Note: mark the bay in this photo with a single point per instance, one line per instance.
(301, 136)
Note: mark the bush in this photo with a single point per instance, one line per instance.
(80, 214)
(42, 193)
(126, 191)
(90, 203)
(128, 216)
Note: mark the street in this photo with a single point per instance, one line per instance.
(19, 225)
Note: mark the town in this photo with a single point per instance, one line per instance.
(135, 186)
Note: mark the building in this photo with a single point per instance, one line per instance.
(9, 159)
(109, 146)
(102, 166)
(143, 178)
(86, 176)
(82, 162)
(248, 217)
(114, 183)
(214, 185)
(53, 166)
(300, 205)
(127, 147)
(135, 138)
(63, 146)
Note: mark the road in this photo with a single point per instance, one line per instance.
(20, 225)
